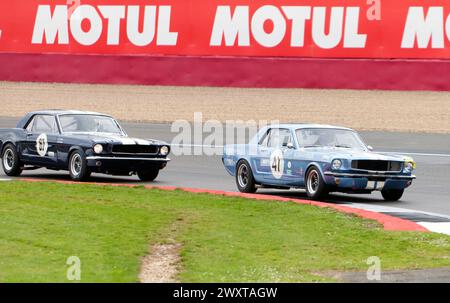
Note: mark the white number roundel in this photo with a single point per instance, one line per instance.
(42, 145)
(277, 164)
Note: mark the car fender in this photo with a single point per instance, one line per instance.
(2, 145)
(72, 149)
(9, 139)
(316, 165)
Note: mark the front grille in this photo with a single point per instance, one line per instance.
(135, 149)
(376, 165)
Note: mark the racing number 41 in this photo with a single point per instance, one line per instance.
(276, 165)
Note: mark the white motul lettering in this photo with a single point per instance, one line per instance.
(334, 36)
(298, 15)
(95, 30)
(51, 26)
(165, 36)
(86, 24)
(229, 27)
(147, 35)
(352, 39)
(113, 13)
(261, 16)
(423, 28)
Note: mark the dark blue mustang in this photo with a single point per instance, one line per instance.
(80, 142)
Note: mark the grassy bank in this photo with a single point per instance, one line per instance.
(224, 239)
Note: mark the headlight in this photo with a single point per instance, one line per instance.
(409, 166)
(336, 164)
(164, 151)
(98, 148)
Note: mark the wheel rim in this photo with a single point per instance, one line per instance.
(76, 165)
(8, 159)
(313, 182)
(243, 175)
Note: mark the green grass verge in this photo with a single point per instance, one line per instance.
(224, 239)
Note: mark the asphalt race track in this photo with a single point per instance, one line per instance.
(429, 193)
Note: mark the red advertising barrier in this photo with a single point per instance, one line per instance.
(231, 32)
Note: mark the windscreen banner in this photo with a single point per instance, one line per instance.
(409, 29)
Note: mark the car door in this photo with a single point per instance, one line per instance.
(276, 156)
(40, 147)
(261, 159)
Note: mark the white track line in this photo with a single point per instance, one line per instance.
(437, 227)
(392, 209)
(417, 154)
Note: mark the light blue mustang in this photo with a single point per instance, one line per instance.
(319, 158)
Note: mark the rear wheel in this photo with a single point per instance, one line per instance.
(11, 163)
(244, 178)
(315, 185)
(78, 169)
(392, 194)
(148, 174)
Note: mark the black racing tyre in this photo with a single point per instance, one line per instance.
(392, 194)
(78, 168)
(10, 161)
(148, 175)
(244, 178)
(315, 185)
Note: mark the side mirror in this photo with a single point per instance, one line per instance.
(290, 145)
(369, 147)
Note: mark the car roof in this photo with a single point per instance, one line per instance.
(54, 112)
(63, 112)
(296, 126)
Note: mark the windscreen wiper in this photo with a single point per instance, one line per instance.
(309, 146)
(342, 146)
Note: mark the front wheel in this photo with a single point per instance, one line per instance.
(315, 185)
(78, 169)
(244, 178)
(392, 194)
(148, 175)
(11, 162)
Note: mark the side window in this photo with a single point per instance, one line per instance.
(44, 124)
(279, 137)
(265, 140)
(30, 125)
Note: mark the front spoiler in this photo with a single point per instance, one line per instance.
(351, 175)
(124, 165)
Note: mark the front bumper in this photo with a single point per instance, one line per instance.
(375, 176)
(367, 182)
(124, 164)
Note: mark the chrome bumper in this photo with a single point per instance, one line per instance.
(351, 175)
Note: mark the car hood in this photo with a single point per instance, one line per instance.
(352, 154)
(115, 139)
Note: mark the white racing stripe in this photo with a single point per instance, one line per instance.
(127, 141)
(130, 141)
(141, 142)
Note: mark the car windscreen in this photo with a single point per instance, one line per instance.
(89, 124)
(329, 137)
